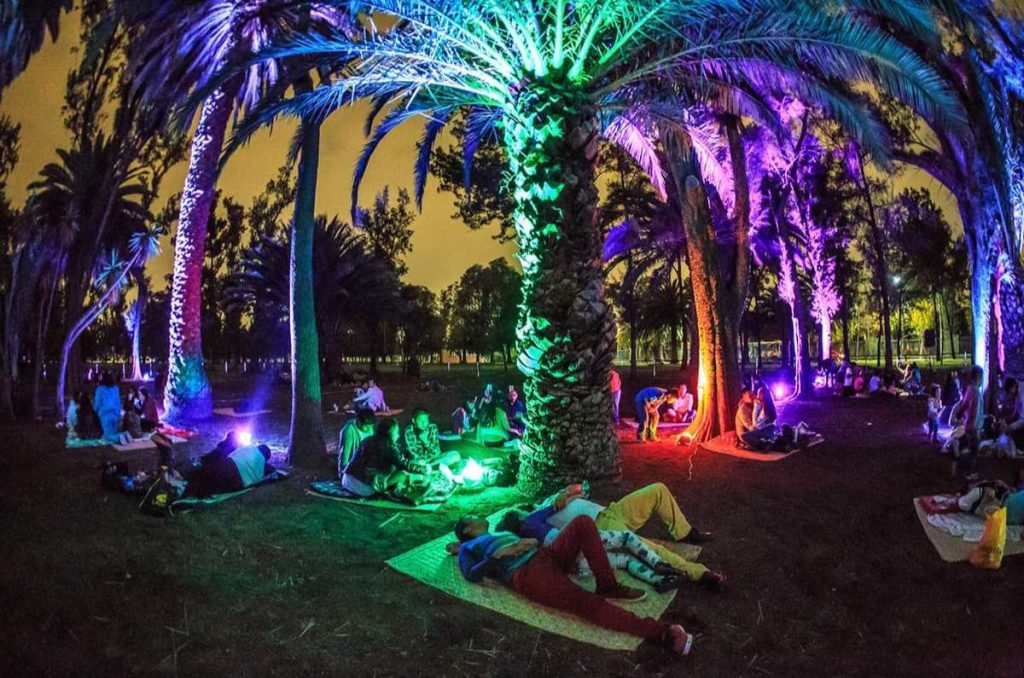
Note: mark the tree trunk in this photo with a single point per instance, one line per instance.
(789, 284)
(566, 331)
(306, 441)
(42, 330)
(187, 395)
(719, 295)
(936, 321)
(142, 288)
(1011, 312)
(949, 327)
(881, 265)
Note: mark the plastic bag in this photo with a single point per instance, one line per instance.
(989, 552)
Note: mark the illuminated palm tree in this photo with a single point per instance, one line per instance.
(543, 71)
(23, 28)
(184, 43)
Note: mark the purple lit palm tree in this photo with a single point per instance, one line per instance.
(186, 42)
(23, 28)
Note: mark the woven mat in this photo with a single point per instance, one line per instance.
(190, 503)
(432, 565)
(141, 444)
(82, 443)
(726, 444)
(332, 489)
(230, 412)
(955, 549)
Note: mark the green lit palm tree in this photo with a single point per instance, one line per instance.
(23, 28)
(542, 72)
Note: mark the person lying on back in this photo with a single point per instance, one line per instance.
(541, 574)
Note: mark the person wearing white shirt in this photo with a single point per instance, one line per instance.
(371, 399)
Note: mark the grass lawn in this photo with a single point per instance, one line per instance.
(829, 571)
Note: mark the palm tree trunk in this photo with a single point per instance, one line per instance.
(187, 395)
(566, 330)
(142, 288)
(718, 297)
(1011, 313)
(306, 439)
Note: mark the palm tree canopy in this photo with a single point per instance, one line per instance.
(429, 58)
(23, 28)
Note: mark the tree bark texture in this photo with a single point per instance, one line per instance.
(187, 395)
(306, 439)
(566, 331)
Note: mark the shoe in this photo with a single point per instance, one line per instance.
(695, 536)
(713, 581)
(675, 639)
(655, 439)
(667, 583)
(626, 593)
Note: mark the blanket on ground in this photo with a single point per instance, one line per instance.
(431, 565)
(332, 489)
(192, 503)
(955, 535)
(230, 412)
(727, 444)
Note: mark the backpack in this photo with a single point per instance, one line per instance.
(161, 495)
(112, 475)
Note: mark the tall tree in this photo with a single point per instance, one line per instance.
(23, 28)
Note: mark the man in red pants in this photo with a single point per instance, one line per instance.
(542, 575)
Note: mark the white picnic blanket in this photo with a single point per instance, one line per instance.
(968, 526)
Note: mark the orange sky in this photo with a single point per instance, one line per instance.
(442, 247)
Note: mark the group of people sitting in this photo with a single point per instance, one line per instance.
(856, 380)
(654, 405)
(534, 551)
(756, 422)
(490, 419)
(368, 396)
(377, 457)
(961, 404)
(109, 417)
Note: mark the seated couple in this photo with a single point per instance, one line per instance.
(230, 467)
(540, 571)
(410, 468)
(756, 424)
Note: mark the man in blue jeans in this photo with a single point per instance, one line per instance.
(647, 402)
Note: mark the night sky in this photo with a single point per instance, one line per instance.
(442, 247)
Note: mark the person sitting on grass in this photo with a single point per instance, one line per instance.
(626, 551)
(541, 575)
(380, 466)
(131, 422)
(648, 402)
(371, 398)
(82, 421)
(515, 410)
(351, 436)
(107, 401)
(423, 446)
(631, 513)
(765, 413)
(680, 412)
(148, 411)
(491, 425)
(748, 432)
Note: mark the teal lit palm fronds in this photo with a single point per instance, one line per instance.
(421, 59)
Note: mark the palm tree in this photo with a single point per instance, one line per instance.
(110, 279)
(23, 28)
(545, 70)
(185, 43)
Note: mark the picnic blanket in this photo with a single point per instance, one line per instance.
(431, 565)
(332, 489)
(191, 503)
(662, 425)
(230, 412)
(727, 444)
(81, 443)
(145, 443)
(954, 535)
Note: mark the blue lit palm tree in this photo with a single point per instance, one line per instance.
(23, 28)
(543, 71)
(183, 44)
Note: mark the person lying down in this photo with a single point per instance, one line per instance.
(540, 573)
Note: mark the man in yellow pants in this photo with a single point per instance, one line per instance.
(631, 513)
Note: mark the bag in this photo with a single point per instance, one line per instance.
(159, 499)
(112, 475)
(989, 552)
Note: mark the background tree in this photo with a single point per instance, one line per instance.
(25, 24)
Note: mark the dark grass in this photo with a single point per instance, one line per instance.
(829, 571)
